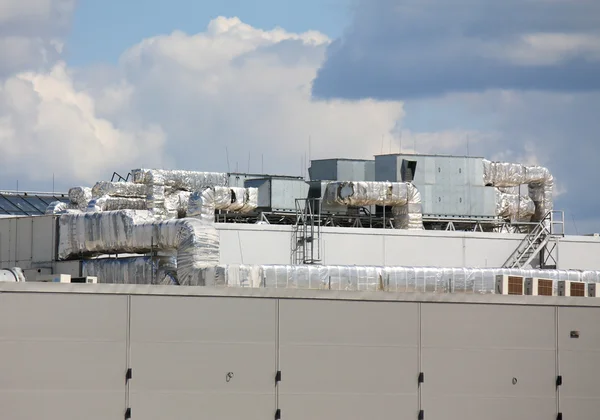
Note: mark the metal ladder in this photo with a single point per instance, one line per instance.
(306, 233)
(541, 240)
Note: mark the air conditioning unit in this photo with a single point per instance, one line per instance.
(593, 289)
(65, 278)
(572, 288)
(87, 279)
(510, 285)
(53, 278)
(535, 286)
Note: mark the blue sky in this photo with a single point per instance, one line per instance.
(126, 90)
(102, 30)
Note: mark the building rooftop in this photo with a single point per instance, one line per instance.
(25, 203)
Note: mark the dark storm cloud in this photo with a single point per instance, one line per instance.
(400, 49)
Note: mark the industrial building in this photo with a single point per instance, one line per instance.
(406, 286)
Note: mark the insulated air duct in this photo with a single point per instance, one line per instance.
(128, 231)
(404, 198)
(539, 180)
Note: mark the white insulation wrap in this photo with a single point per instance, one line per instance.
(118, 189)
(116, 203)
(392, 279)
(129, 231)
(203, 204)
(538, 179)
(404, 198)
(182, 180)
(80, 196)
(60, 207)
(134, 270)
(514, 206)
(176, 203)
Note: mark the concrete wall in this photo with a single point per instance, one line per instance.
(217, 354)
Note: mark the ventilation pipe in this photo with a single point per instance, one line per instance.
(404, 198)
(203, 204)
(196, 243)
(539, 180)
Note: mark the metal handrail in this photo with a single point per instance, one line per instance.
(539, 232)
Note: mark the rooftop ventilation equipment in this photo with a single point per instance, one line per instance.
(510, 285)
(572, 288)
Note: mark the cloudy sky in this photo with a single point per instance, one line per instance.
(88, 88)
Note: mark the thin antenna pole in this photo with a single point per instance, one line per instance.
(400, 146)
(309, 155)
(227, 154)
(468, 145)
(52, 183)
(390, 145)
(248, 161)
(17, 185)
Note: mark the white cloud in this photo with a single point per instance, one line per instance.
(179, 100)
(47, 126)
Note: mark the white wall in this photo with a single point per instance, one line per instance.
(271, 244)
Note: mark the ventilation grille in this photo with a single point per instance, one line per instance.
(515, 285)
(578, 289)
(545, 287)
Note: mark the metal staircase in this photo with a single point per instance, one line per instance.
(306, 233)
(541, 240)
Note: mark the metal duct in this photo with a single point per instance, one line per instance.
(404, 198)
(129, 231)
(160, 270)
(378, 278)
(107, 203)
(118, 189)
(514, 206)
(539, 180)
(12, 275)
(80, 196)
(203, 204)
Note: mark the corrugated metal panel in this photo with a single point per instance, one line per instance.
(24, 238)
(44, 238)
(323, 170)
(386, 168)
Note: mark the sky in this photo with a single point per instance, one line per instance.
(88, 88)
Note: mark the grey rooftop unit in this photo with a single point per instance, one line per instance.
(278, 194)
(450, 186)
(342, 170)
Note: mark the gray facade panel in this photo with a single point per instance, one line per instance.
(492, 362)
(63, 356)
(336, 360)
(579, 353)
(200, 356)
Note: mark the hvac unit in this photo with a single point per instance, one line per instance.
(593, 289)
(572, 288)
(87, 279)
(539, 287)
(510, 285)
(53, 278)
(66, 278)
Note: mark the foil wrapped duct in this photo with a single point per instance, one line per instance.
(404, 198)
(80, 196)
(390, 279)
(539, 180)
(203, 204)
(132, 270)
(118, 189)
(514, 206)
(116, 203)
(60, 207)
(182, 180)
(129, 231)
(176, 202)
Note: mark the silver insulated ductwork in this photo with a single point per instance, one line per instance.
(404, 198)
(539, 181)
(196, 243)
